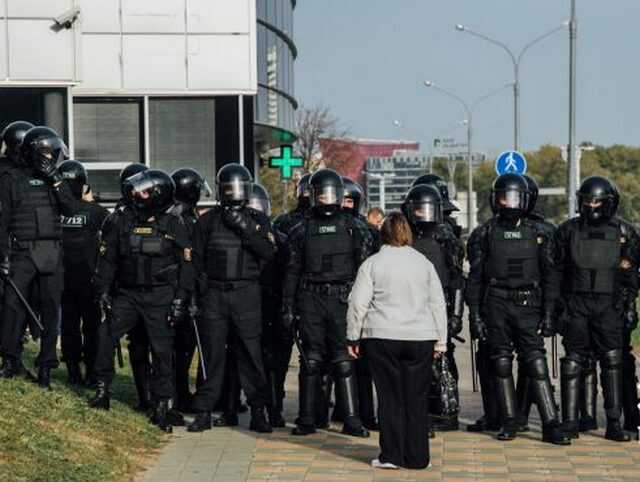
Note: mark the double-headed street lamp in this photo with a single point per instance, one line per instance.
(515, 59)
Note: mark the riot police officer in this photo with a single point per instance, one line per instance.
(80, 312)
(33, 196)
(189, 188)
(144, 273)
(448, 208)
(423, 207)
(326, 250)
(10, 142)
(286, 221)
(231, 241)
(599, 261)
(511, 291)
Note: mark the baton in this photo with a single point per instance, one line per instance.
(25, 304)
(107, 317)
(296, 340)
(199, 344)
(474, 372)
(554, 356)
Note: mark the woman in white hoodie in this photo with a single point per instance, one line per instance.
(397, 314)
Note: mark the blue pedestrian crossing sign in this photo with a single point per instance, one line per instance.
(511, 161)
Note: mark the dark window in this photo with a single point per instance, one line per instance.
(39, 106)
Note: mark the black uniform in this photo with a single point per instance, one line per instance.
(325, 253)
(145, 263)
(31, 237)
(80, 312)
(599, 264)
(230, 260)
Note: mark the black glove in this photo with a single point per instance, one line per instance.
(237, 220)
(50, 173)
(630, 317)
(546, 325)
(455, 325)
(477, 325)
(5, 267)
(177, 312)
(105, 303)
(288, 318)
(194, 310)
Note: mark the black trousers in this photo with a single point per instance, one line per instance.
(130, 308)
(401, 372)
(80, 321)
(49, 291)
(185, 347)
(237, 309)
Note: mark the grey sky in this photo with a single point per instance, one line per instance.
(366, 59)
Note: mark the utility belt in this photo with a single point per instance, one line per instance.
(526, 296)
(31, 244)
(340, 288)
(229, 285)
(143, 288)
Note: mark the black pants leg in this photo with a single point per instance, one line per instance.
(185, 347)
(365, 390)
(401, 371)
(70, 328)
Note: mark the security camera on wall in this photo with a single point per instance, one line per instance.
(65, 20)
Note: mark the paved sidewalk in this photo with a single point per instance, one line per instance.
(237, 454)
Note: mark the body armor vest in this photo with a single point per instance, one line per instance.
(434, 250)
(513, 258)
(147, 254)
(595, 256)
(35, 214)
(330, 251)
(227, 258)
(79, 241)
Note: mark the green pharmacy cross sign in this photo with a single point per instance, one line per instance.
(285, 162)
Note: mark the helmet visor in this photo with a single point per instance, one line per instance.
(328, 195)
(260, 204)
(510, 199)
(424, 212)
(235, 191)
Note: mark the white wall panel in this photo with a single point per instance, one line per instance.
(157, 16)
(100, 16)
(27, 62)
(218, 16)
(39, 8)
(101, 71)
(3, 48)
(154, 62)
(219, 62)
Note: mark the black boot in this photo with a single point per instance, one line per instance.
(323, 404)
(160, 416)
(490, 422)
(226, 419)
(630, 393)
(309, 389)
(347, 399)
(101, 399)
(141, 369)
(506, 392)
(9, 367)
(74, 374)
(552, 433)
(174, 416)
(230, 400)
(612, 391)
(570, 388)
(201, 423)
(484, 425)
(589, 397)
(275, 410)
(523, 398)
(44, 377)
(259, 421)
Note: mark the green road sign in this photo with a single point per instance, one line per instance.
(286, 162)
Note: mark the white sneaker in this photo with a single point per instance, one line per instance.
(376, 464)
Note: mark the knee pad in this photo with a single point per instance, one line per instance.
(344, 369)
(538, 368)
(589, 364)
(571, 366)
(612, 359)
(312, 367)
(504, 366)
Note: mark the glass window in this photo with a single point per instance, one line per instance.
(38, 106)
(182, 134)
(262, 54)
(105, 184)
(108, 130)
(261, 9)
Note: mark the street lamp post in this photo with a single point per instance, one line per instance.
(515, 60)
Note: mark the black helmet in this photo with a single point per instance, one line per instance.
(234, 185)
(149, 192)
(303, 192)
(423, 204)
(131, 170)
(42, 148)
(76, 174)
(509, 195)
(11, 139)
(189, 186)
(598, 199)
(259, 199)
(327, 191)
(353, 190)
(435, 180)
(534, 190)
